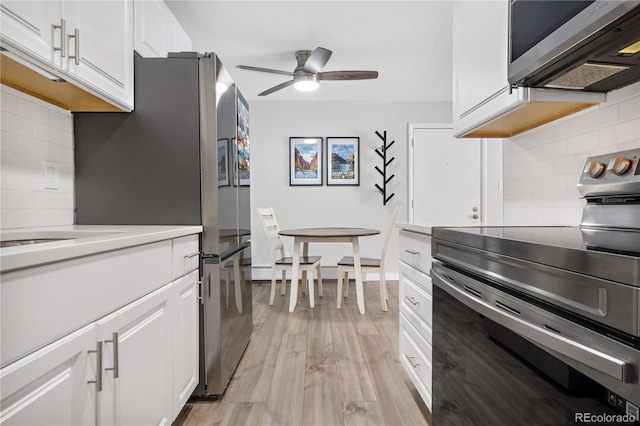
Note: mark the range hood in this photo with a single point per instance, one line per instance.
(591, 46)
(23, 76)
(563, 57)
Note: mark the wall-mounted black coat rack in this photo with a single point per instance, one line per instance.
(383, 154)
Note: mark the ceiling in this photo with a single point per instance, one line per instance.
(407, 42)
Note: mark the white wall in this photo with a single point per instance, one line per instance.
(33, 132)
(273, 122)
(541, 167)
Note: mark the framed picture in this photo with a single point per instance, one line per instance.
(305, 161)
(343, 161)
(242, 144)
(223, 162)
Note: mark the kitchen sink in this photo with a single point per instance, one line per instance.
(25, 238)
(24, 242)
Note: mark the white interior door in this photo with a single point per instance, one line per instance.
(445, 178)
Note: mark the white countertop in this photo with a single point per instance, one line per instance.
(79, 241)
(421, 229)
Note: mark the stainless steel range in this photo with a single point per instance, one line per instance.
(557, 303)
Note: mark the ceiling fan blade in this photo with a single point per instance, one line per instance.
(247, 67)
(317, 60)
(347, 75)
(276, 88)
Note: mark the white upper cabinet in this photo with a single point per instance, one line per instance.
(480, 53)
(29, 27)
(157, 31)
(99, 43)
(483, 104)
(87, 43)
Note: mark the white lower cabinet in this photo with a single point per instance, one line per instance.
(54, 380)
(186, 350)
(416, 311)
(135, 366)
(137, 362)
(416, 358)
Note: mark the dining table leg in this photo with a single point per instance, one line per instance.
(294, 274)
(358, 273)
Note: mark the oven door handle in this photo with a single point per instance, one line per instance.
(600, 361)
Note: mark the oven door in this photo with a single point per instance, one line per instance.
(499, 360)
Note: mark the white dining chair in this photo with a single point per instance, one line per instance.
(280, 262)
(368, 264)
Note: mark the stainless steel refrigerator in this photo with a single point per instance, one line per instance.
(181, 158)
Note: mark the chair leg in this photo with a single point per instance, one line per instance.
(383, 292)
(304, 280)
(320, 290)
(283, 286)
(346, 284)
(273, 287)
(339, 292)
(312, 301)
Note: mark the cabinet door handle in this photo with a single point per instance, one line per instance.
(412, 251)
(63, 30)
(115, 368)
(98, 352)
(412, 300)
(76, 38)
(410, 358)
(200, 290)
(190, 255)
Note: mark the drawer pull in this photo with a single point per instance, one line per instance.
(412, 300)
(190, 255)
(412, 252)
(410, 358)
(98, 352)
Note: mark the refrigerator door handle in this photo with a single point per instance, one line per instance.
(210, 258)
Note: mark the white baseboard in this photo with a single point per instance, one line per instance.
(263, 273)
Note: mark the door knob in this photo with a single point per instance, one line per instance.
(476, 216)
(475, 209)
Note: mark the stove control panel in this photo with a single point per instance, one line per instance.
(619, 165)
(594, 168)
(614, 174)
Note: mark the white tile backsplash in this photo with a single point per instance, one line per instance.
(541, 166)
(32, 133)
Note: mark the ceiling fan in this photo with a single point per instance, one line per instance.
(307, 73)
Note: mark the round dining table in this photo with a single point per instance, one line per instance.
(304, 236)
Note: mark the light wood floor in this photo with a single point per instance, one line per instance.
(320, 366)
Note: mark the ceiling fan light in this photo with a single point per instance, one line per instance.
(306, 83)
